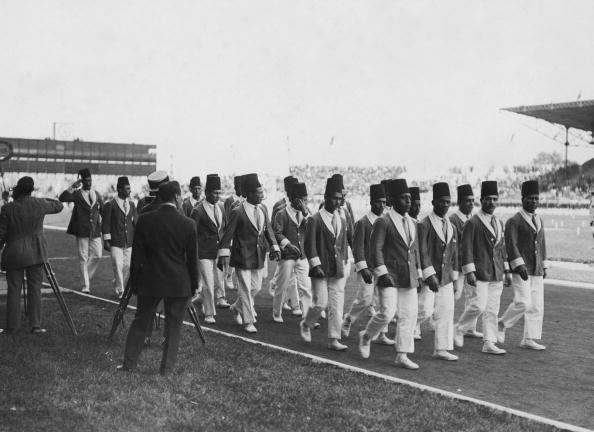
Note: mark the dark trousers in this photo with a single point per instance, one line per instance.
(14, 280)
(175, 308)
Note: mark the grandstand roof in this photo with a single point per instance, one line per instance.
(578, 115)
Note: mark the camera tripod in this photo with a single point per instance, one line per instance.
(51, 277)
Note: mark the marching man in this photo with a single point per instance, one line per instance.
(439, 260)
(394, 258)
(192, 201)
(484, 262)
(526, 251)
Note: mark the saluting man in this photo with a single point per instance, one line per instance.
(394, 257)
(438, 251)
(527, 254)
(119, 221)
(243, 246)
(365, 279)
(85, 224)
(210, 219)
(459, 219)
(326, 251)
(289, 227)
(484, 262)
(192, 201)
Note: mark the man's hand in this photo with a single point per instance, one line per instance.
(366, 275)
(293, 250)
(507, 279)
(303, 208)
(471, 279)
(76, 184)
(318, 272)
(223, 263)
(522, 271)
(433, 283)
(275, 255)
(107, 245)
(385, 281)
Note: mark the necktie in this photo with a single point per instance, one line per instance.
(534, 222)
(298, 217)
(406, 230)
(335, 223)
(494, 225)
(257, 218)
(91, 198)
(126, 207)
(444, 227)
(216, 217)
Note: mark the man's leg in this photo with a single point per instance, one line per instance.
(426, 299)
(444, 318)
(319, 288)
(363, 300)
(490, 316)
(303, 280)
(407, 310)
(244, 297)
(284, 269)
(126, 267)
(207, 276)
(34, 279)
(335, 306)
(520, 303)
(14, 281)
(535, 312)
(95, 254)
(143, 319)
(117, 265)
(219, 286)
(474, 307)
(175, 309)
(82, 246)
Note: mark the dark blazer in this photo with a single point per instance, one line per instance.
(286, 230)
(459, 224)
(117, 227)
(85, 220)
(247, 246)
(187, 206)
(164, 259)
(482, 252)
(389, 253)
(361, 238)
(439, 255)
(525, 245)
(229, 204)
(21, 231)
(208, 234)
(323, 248)
(281, 204)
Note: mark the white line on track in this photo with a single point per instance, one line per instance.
(422, 387)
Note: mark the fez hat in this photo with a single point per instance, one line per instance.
(123, 181)
(415, 193)
(397, 187)
(25, 185)
(155, 179)
(333, 185)
(440, 190)
(288, 181)
(194, 181)
(237, 183)
(213, 182)
(386, 183)
(530, 187)
(84, 173)
(297, 190)
(339, 179)
(377, 191)
(464, 191)
(488, 188)
(250, 183)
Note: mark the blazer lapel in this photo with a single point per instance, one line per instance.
(399, 229)
(528, 220)
(437, 226)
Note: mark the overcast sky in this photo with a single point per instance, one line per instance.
(232, 85)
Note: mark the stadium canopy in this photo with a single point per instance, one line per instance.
(577, 115)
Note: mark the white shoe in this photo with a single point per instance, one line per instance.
(370, 311)
(491, 348)
(417, 332)
(304, 331)
(323, 314)
(236, 316)
(346, 325)
(364, 347)
(444, 355)
(335, 345)
(287, 307)
(209, 320)
(297, 312)
(86, 290)
(223, 304)
(500, 333)
(530, 344)
(383, 339)
(251, 328)
(406, 363)
(277, 318)
(458, 338)
(474, 334)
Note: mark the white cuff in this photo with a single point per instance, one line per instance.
(546, 264)
(380, 271)
(429, 271)
(107, 236)
(284, 242)
(517, 263)
(275, 248)
(420, 273)
(360, 266)
(224, 252)
(506, 265)
(468, 268)
(314, 262)
(455, 275)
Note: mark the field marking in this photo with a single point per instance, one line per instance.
(317, 360)
(54, 227)
(569, 284)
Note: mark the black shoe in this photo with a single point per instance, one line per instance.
(122, 368)
(38, 330)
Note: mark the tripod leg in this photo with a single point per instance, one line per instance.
(56, 289)
(25, 300)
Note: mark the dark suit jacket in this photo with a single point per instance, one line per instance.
(438, 255)
(324, 249)
(164, 259)
(247, 246)
(208, 234)
(117, 227)
(525, 245)
(85, 220)
(187, 206)
(459, 224)
(286, 230)
(389, 252)
(229, 204)
(361, 237)
(482, 252)
(21, 231)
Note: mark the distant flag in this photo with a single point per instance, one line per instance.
(579, 95)
(332, 141)
(511, 139)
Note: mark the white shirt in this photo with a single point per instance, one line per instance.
(528, 218)
(250, 210)
(327, 218)
(88, 195)
(210, 211)
(120, 203)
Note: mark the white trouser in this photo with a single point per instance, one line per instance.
(120, 263)
(292, 281)
(327, 293)
(212, 282)
(89, 256)
(292, 291)
(249, 283)
(529, 303)
(440, 305)
(363, 298)
(486, 302)
(468, 292)
(392, 301)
